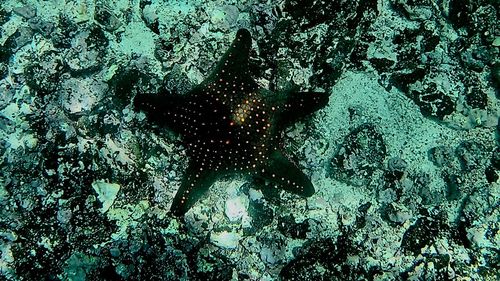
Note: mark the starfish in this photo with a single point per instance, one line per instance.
(228, 124)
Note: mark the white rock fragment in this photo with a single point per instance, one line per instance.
(496, 42)
(225, 239)
(106, 193)
(236, 208)
(255, 195)
(115, 152)
(137, 39)
(316, 203)
(6, 255)
(80, 95)
(10, 111)
(64, 215)
(267, 255)
(477, 235)
(218, 16)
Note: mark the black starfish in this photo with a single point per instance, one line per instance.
(228, 124)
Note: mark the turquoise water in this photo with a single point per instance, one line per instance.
(249, 140)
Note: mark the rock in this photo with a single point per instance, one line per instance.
(106, 18)
(88, 49)
(225, 239)
(236, 208)
(267, 255)
(260, 213)
(472, 155)
(422, 233)
(433, 102)
(324, 259)
(441, 156)
(362, 151)
(45, 75)
(79, 96)
(43, 27)
(396, 164)
(416, 9)
(26, 12)
(106, 193)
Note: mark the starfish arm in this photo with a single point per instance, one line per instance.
(284, 174)
(233, 66)
(193, 186)
(299, 105)
(164, 109)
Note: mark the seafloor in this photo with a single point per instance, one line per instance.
(405, 157)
